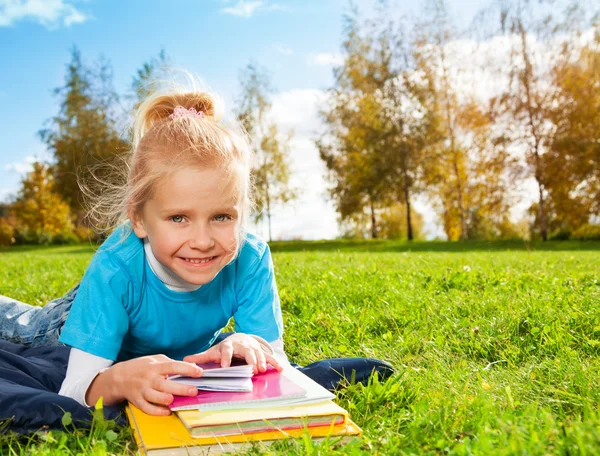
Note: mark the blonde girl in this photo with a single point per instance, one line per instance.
(179, 265)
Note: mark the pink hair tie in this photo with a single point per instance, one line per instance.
(180, 111)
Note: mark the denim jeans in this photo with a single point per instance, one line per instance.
(25, 324)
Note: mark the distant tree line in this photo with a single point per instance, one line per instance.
(400, 123)
(403, 121)
(88, 137)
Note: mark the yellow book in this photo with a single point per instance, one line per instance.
(246, 421)
(167, 436)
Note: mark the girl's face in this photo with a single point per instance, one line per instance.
(192, 222)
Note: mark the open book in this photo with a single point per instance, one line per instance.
(268, 388)
(236, 378)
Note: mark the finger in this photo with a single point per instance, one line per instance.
(226, 353)
(261, 362)
(273, 362)
(212, 355)
(157, 397)
(152, 409)
(179, 368)
(176, 388)
(250, 357)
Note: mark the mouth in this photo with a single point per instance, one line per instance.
(198, 261)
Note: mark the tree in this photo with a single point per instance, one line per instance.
(145, 80)
(271, 171)
(394, 226)
(538, 39)
(85, 131)
(574, 155)
(39, 209)
(466, 166)
(375, 135)
(447, 162)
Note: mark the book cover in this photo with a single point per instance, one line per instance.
(268, 387)
(201, 423)
(166, 435)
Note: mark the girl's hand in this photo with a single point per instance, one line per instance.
(143, 382)
(237, 345)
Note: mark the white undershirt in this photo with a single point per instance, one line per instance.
(83, 367)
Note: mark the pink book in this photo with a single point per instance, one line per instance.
(269, 387)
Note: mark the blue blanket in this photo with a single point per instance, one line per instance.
(30, 378)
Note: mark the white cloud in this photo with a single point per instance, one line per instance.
(247, 8)
(325, 59)
(21, 167)
(6, 193)
(49, 13)
(297, 110)
(311, 216)
(283, 49)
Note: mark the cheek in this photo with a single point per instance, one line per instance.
(166, 245)
(230, 240)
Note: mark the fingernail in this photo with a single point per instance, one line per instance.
(192, 390)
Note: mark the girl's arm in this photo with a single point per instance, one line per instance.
(141, 381)
(83, 367)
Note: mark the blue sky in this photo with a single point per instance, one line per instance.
(298, 41)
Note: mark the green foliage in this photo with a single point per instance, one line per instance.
(7, 232)
(375, 133)
(392, 225)
(574, 156)
(587, 232)
(146, 77)
(85, 132)
(40, 215)
(496, 344)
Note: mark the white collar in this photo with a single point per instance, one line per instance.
(171, 280)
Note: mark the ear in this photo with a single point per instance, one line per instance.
(137, 223)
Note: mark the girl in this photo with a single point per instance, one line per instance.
(180, 264)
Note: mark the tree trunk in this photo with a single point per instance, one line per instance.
(527, 75)
(373, 223)
(461, 206)
(542, 202)
(459, 189)
(409, 230)
(543, 220)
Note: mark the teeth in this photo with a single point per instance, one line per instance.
(198, 260)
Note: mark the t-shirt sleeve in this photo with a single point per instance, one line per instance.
(258, 311)
(98, 320)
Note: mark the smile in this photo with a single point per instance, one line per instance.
(199, 260)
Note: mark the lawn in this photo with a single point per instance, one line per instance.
(496, 345)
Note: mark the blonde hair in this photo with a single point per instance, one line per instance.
(162, 144)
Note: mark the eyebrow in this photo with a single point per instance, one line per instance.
(176, 210)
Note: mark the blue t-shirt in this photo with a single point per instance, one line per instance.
(123, 311)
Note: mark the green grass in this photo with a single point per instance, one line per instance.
(496, 345)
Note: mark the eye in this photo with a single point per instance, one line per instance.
(222, 217)
(177, 218)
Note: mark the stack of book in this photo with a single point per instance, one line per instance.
(234, 410)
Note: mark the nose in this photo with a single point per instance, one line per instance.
(202, 238)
